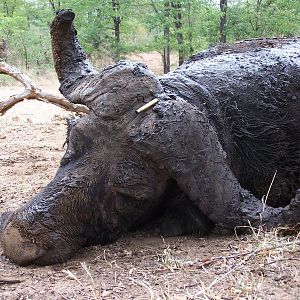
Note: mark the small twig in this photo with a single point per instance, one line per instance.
(10, 280)
(205, 262)
(145, 285)
(72, 276)
(86, 269)
(265, 198)
(236, 267)
(32, 91)
(280, 260)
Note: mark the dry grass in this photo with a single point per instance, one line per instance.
(90, 287)
(168, 260)
(244, 270)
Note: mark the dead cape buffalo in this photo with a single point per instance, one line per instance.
(204, 154)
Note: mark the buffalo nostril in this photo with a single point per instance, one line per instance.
(20, 250)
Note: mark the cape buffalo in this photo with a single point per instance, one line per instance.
(204, 154)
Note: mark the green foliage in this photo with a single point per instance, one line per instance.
(260, 18)
(26, 34)
(24, 26)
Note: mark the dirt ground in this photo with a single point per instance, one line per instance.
(140, 265)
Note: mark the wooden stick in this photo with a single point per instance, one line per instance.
(10, 280)
(146, 106)
(32, 91)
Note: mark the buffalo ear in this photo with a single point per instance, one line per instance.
(180, 139)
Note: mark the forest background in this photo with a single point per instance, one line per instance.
(111, 29)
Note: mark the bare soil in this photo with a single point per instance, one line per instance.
(140, 265)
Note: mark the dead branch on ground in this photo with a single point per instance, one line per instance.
(32, 91)
(205, 262)
(4, 280)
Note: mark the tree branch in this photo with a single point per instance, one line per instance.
(34, 92)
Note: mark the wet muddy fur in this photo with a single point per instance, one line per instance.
(227, 120)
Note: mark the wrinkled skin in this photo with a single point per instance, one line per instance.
(225, 122)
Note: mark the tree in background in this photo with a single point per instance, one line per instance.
(3, 50)
(109, 29)
(223, 20)
(175, 24)
(262, 18)
(55, 5)
(162, 19)
(117, 23)
(25, 36)
(177, 15)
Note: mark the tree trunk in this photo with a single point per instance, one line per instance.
(26, 57)
(8, 8)
(54, 6)
(166, 53)
(223, 21)
(117, 24)
(3, 50)
(190, 31)
(176, 5)
(257, 16)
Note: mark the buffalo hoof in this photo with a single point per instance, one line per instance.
(21, 251)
